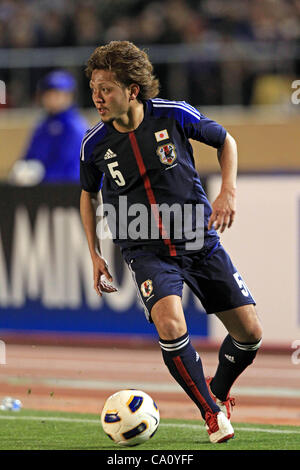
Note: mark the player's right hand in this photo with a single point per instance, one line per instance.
(102, 276)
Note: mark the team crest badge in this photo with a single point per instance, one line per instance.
(167, 153)
(147, 288)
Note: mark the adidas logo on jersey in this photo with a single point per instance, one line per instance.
(109, 154)
(230, 358)
(197, 357)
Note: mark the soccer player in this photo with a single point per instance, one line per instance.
(139, 153)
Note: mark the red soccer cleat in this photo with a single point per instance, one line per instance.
(218, 427)
(225, 406)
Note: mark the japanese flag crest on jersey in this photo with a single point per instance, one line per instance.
(167, 153)
(161, 135)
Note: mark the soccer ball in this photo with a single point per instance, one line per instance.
(130, 417)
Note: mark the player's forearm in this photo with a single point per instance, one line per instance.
(88, 206)
(228, 160)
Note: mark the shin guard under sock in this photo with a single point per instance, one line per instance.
(185, 366)
(234, 358)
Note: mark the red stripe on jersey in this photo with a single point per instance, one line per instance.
(150, 193)
(190, 383)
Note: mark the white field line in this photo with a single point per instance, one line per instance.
(282, 392)
(167, 425)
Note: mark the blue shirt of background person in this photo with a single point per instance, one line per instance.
(56, 140)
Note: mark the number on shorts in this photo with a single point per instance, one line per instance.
(241, 284)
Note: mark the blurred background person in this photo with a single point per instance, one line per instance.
(52, 155)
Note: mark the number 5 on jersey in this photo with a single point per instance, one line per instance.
(116, 174)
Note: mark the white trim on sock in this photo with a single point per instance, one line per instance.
(246, 347)
(174, 346)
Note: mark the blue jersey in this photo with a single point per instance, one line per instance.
(56, 144)
(153, 166)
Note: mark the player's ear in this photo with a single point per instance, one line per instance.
(134, 91)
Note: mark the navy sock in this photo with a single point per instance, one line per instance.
(234, 358)
(185, 366)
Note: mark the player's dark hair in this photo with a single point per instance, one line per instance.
(130, 65)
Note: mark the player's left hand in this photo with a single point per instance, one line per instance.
(223, 210)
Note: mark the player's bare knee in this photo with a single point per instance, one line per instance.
(254, 332)
(253, 329)
(169, 328)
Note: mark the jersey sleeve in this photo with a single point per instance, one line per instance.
(199, 127)
(91, 178)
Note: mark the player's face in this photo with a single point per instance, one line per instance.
(110, 97)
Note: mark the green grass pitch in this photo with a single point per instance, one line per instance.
(41, 430)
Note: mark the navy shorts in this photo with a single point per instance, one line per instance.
(210, 274)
